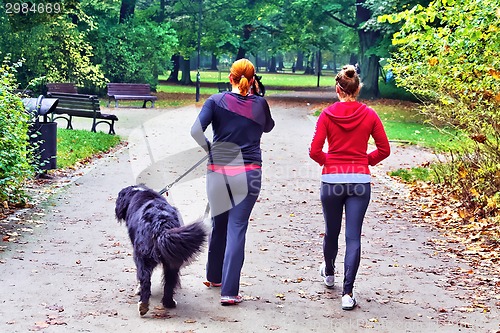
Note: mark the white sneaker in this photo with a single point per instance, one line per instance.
(348, 302)
(328, 279)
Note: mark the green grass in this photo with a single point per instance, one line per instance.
(75, 146)
(414, 174)
(298, 80)
(188, 90)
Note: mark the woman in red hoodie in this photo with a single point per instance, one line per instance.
(345, 181)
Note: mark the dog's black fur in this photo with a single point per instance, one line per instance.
(158, 236)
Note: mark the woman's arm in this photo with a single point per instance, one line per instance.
(200, 125)
(318, 141)
(381, 142)
(269, 119)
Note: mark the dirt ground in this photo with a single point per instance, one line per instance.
(67, 265)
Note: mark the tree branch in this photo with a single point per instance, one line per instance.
(349, 25)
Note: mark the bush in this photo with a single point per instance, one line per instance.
(54, 47)
(15, 166)
(448, 54)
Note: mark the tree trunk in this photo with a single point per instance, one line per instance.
(186, 72)
(353, 59)
(310, 65)
(369, 77)
(299, 65)
(174, 74)
(272, 65)
(213, 65)
(242, 51)
(369, 63)
(280, 64)
(161, 14)
(127, 10)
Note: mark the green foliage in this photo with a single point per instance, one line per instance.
(15, 165)
(75, 146)
(392, 91)
(135, 51)
(56, 48)
(449, 55)
(412, 175)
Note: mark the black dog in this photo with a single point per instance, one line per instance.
(158, 237)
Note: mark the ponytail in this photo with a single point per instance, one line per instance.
(243, 72)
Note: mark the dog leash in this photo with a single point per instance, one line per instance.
(169, 186)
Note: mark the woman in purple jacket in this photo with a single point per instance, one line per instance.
(238, 119)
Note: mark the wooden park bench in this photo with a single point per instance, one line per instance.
(60, 87)
(224, 86)
(80, 105)
(131, 92)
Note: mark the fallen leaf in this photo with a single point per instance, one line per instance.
(280, 296)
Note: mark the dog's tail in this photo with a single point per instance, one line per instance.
(178, 246)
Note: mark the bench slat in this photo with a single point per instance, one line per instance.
(80, 105)
(64, 87)
(130, 91)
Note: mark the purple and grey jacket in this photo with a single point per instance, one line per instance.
(238, 123)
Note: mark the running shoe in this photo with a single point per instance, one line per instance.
(348, 302)
(230, 300)
(328, 279)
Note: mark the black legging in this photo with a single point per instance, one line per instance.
(355, 198)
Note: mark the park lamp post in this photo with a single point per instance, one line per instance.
(199, 46)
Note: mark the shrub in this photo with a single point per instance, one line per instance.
(448, 54)
(15, 166)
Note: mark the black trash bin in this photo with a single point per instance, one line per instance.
(43, 132)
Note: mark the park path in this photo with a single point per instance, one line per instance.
(72, 269)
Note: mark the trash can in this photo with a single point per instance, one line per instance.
(42, 132)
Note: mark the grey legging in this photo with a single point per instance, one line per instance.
(355, 199)
(231, 200)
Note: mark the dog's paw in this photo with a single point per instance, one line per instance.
(143, 308)
(169, 304)
(138, 289)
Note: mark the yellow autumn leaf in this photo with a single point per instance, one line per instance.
(433, 61)
(494, 73)
(462, 173)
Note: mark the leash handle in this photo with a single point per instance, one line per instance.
(165, 189)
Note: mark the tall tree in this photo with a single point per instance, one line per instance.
(127, 10)
(369, 60)
(360, 16)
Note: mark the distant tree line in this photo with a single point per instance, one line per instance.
(91, 42)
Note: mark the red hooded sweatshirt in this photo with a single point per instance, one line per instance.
(347, 126)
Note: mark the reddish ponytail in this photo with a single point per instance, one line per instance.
(242, 72)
